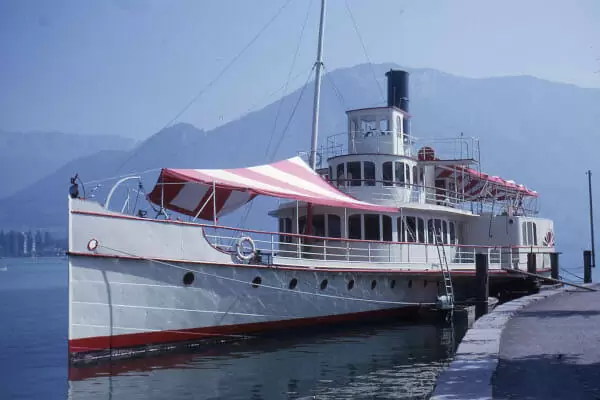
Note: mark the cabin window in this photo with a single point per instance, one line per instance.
(372, 227)
(444, 232)
(334, 223)
(452, 233)
(420, 230)
(301, 225)
(388, 174)
(401, 230)
(285, 226)
(430, 231)
(399, 179)
(411, 229)
(318, 225)
(407, 174)
(387, 227)
(438, 230)
(330, 177)
(529, 233)
(369, 173)
(354, 174)
(415, 175)
(354, 227)
(340, 174)
(384, 127)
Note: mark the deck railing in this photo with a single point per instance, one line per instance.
(271, 245)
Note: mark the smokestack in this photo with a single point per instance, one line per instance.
(397, 95)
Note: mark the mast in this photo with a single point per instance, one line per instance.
(589, 174)
(319, 65)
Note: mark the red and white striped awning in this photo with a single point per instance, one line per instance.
(190, 191)
(479, 186)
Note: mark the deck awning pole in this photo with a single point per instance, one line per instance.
(214, 196)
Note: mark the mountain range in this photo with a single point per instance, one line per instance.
(539, 133)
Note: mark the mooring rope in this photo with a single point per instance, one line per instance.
(263, 285)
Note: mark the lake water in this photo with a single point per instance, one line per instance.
(382, 361)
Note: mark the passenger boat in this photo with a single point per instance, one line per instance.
(389, 225)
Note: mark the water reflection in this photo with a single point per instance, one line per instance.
(397, 361)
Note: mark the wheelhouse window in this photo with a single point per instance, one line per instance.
(368, 125)
(369, 168)
(372, 227)
(387, 227)
(354, 174)
(384, 127)
(354, 227)
(334, 226)
(388, 173)
(285, 226)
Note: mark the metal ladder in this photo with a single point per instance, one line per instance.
(447, 278)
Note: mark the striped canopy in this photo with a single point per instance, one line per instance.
(479, 186)
(190, 191)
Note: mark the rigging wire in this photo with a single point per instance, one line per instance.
(364, 50)
(336, 90)
(280, 104)
(218, 76)
(281, 136)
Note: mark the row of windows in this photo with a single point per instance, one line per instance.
(410, 229)
(363, 173)
(529, 233)
(368, 124)
(257, 281)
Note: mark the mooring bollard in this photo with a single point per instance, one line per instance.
(482, 290)
(554, 265)
(587, 266)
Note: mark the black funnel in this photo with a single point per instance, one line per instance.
(397, 92)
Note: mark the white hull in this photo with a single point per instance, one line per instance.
(130, 290)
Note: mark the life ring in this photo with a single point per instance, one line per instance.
(239, 248)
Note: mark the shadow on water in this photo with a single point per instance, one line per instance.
(375, 361)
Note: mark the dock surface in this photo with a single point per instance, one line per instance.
(550, 349)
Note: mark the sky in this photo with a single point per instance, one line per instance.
(130, 67)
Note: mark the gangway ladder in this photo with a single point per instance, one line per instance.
(448, 303)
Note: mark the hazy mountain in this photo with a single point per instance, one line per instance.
(27, 157)
(538, 133)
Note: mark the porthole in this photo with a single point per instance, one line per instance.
(256, 282)
(293, 283)
(323, 284)
(410, 283)
(425, 283)
(188, 278)
(393, 284)
(373, 284)
(350, 284)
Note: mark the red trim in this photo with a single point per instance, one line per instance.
(409, 272)
(151, 338)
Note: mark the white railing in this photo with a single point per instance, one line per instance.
(270, 245)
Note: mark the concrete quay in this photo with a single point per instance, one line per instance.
(543, 346)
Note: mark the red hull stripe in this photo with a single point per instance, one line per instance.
(160, 337)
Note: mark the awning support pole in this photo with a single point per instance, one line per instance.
(298, 227)
(214, 196)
